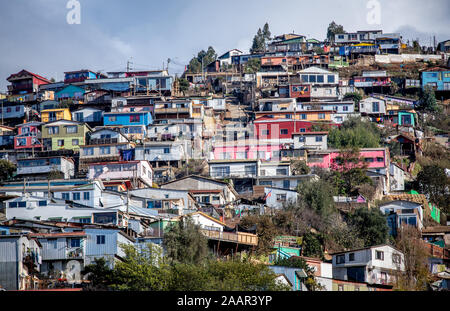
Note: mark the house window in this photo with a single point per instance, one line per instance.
(75, 242)
(71, 129)
(76, 196)
(166, 150)
(22, 204)
(205, 199)
(281, 197)
(86, 196)
(331, 79)
(100, 239)
(301, 139)
(340, 259)
(351, 257)
(302, 130)
(42, 203)
(12, 204)
(60, 142)
(375, 107)
(345, 108)
(105, 150)
(52, 243)
(53, 130)
(283, 132)
(341, 288)
(379, 255)
(312, 78)
(286, 184)
(66, 196)
(265, 132)
(319, 139)
(321, 116)
(320, 79)
(216, 198)
(396, 258)
(75, 142)
(281, 171)
(112, 118)
(369, 160)
(88, 151)
(288, 116)
(303, 116)
(135, 118)
(380, 159)
(250, 170)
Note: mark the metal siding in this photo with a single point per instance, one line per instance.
(8, 249)
(50, 253)
(94, 249)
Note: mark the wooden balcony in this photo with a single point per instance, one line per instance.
(238, 238)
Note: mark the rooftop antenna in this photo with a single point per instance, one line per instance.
(129, 63)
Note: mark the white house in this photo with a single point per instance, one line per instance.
(373, 265)
(311, 140)
(207, 222)
(38, 167)
(372, 106)
(88, 114)
(276, 197)
(234, 168)
(397, 180)
(403, 213)
(140, 172)
(161, 153)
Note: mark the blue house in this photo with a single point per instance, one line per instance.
(71, 92)
(127, 118)
(438, 78)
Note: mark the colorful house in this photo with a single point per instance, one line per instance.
(375, 158)
(51, 115)
(438, 78)
(70, 92)
(29, 136)
(81, 76)
(65, 134)
(25, 82)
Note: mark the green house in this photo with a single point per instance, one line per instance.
(65, 134)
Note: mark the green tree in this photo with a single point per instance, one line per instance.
(349, 172)
(265, 229)
(318, 196)
(7, 169)
(299, 167)
(205, 57)
(427, 100)
(371, 226)
(99, 274)
(259, 40)
(266, 32)
(354, 133)
(312, 246)
(296, 262)
(434, 183)
(334, 29)
(183, 84)
(355, 96)
(253, 65)
(185, 243)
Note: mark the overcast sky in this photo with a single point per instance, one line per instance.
(35, 35)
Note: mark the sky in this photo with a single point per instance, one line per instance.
(35, 35)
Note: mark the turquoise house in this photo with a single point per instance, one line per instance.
(71, 92)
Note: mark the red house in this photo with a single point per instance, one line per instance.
(29, 136)
(25, 82)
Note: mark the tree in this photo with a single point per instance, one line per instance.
(312, 246)
(259, 40)
(427, 100)
(318, 196)
(416, 274)
(299, 167)
(7, 169)
(371, 226)
(295, 262)
(185, 243)
(334, 29)
(195, 64)
(354, 133)
(253, 65)
(349, 172)
(183, 84)
(434, 183)
(265, 229)
(99, 274)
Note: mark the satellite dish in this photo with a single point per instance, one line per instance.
(73, 272)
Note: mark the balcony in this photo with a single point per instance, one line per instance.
(239, 238)
(74, 253)
(103, 141)
(171, 110)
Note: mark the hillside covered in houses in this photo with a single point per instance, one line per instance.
(302, 165)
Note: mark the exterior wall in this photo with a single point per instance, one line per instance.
(235, 169)
(340, 107)
(272, 169)
(291, 275)
(439, 80)
(324, 92)
(117, 118)
(42, 166)
(110, 134)
(303, 116)
(157, 152)
(127, 170)
(274, 127)
(72, 141)
(206, 223)
(246, 152)
(88, 115)
(366, 106)
(12, 112)
(72, 92)
(398, 178)
(60, 114)
(328, 158)
(310, 141)
(98, 153)
(276, 201)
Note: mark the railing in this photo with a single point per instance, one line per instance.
(103, 141)
(240, 237)
(76, 252)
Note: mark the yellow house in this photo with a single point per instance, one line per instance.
(50, 115)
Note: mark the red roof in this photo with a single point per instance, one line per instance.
(29, 73)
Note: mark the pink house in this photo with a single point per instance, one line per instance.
(29, 136)
(249, 151)
(375, 158)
